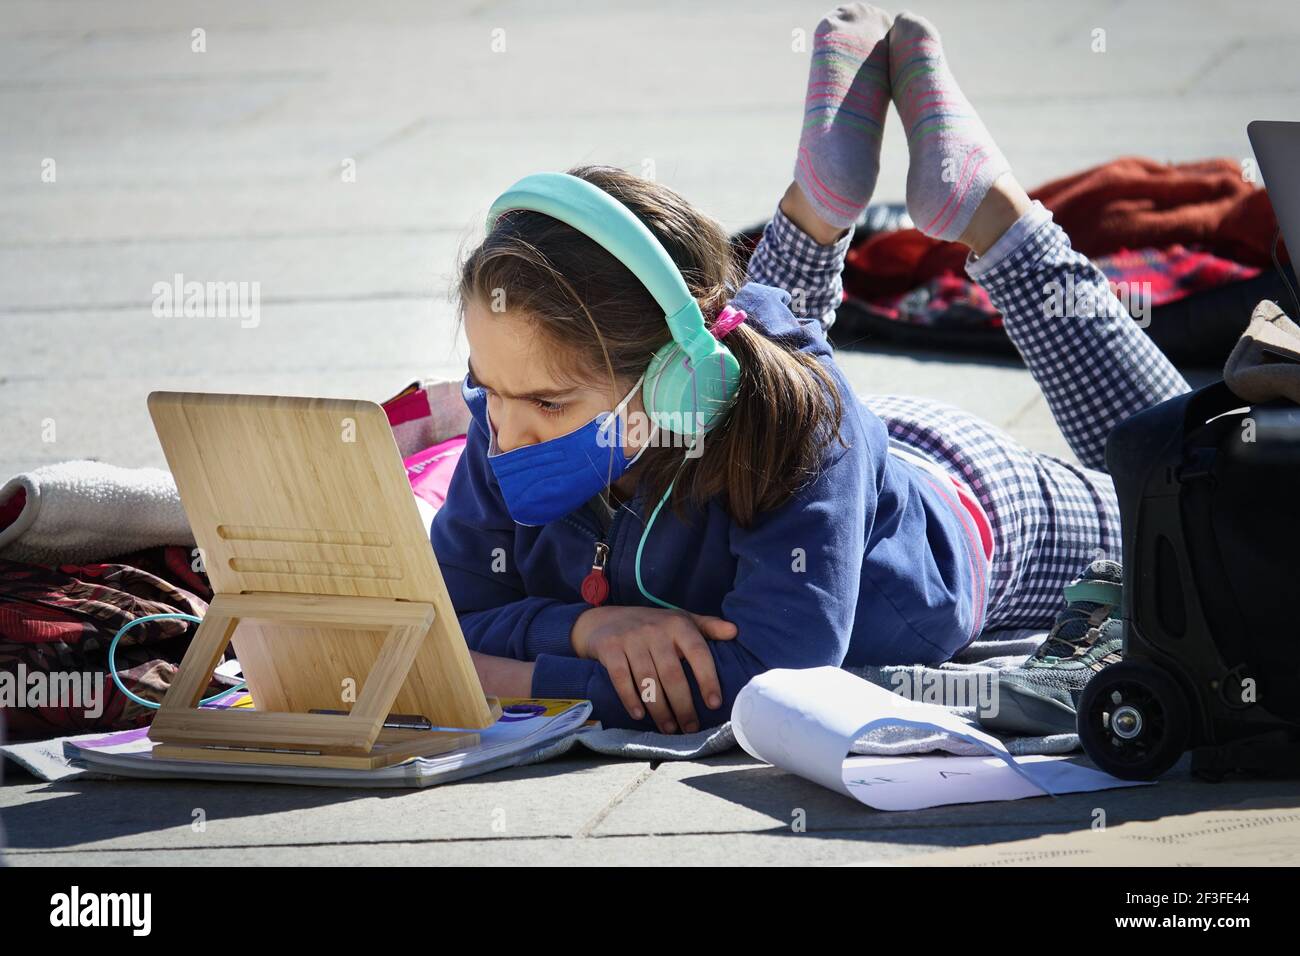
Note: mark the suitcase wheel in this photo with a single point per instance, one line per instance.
(1133, 720)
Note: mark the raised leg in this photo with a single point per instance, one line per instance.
(1093, 363)
(789, 257)
(836, 163)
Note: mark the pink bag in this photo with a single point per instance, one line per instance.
(429, 419)
(430, 470)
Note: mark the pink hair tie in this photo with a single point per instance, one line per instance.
(727, 320)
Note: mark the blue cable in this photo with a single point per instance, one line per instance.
(112, 653)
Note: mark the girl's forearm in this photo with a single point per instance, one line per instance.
(503, 676)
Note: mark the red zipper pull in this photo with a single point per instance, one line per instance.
(595, 586)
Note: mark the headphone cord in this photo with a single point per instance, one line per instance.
(649, 524)
(112, 654)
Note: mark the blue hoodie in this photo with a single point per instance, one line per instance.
(868, 564)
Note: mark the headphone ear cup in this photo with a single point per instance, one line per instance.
(689, 400)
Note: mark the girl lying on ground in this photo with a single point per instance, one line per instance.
(811, 527)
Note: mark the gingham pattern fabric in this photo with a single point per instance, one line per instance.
(790, 259)
(1050, 518)
(1092, 361)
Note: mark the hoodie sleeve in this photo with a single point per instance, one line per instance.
(473, 538)
(793, 602)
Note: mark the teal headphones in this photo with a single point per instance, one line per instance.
(691, 381)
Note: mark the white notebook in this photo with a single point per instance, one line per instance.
(806, 722)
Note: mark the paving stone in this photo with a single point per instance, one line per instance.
(560, 798)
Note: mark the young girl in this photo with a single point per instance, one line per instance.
(809, 527)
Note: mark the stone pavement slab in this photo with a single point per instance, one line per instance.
(557, 799)
(585, 810)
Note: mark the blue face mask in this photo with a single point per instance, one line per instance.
(544, 482)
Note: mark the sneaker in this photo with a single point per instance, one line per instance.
(1041, 697)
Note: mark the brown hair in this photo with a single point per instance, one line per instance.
(602, 321)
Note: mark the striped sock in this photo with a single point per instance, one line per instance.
(844, 112)
(954, 160)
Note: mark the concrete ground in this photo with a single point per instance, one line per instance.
(128, 156)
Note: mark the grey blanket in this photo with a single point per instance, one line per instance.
(975, 667)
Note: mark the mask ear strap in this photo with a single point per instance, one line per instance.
(628, 397)
(619, 408)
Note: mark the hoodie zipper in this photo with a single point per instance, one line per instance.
(598, 583)
(595, 586)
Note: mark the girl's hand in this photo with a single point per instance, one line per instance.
(636, 644)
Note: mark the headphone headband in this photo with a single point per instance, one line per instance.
(603, 219)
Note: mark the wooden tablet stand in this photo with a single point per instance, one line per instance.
(314, 546)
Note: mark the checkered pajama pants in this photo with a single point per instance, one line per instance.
(1095, 366)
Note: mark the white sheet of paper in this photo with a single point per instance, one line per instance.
(805, 721)
(917, 782)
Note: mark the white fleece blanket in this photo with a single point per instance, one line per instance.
(78, 511)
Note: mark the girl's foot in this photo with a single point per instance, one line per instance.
(844, 113)
(954, 160)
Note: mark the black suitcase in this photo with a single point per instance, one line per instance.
(1209, 494)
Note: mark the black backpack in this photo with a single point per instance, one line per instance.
(1210, 509)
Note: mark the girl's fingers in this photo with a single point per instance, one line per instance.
(620, 674)
(676, 688)
(696, 652)
(643, 669)
(714, 628)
